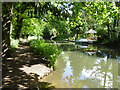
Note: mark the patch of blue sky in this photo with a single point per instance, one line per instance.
(65, 6)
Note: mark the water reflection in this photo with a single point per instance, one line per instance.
(77, 68)
(68, 72)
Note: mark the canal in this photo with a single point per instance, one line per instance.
(85, 66)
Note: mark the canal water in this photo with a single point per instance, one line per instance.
(85, 66)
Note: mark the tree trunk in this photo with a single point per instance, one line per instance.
(28, 13)
(18, 27)
(118, 22)
(108, 31)
(39, 10)
(114, 23)
(77, 34)
(6, 22)
(35, 10)
(117, 5)
(19, 21)
(31, 14)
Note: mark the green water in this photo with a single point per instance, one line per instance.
(76, 68)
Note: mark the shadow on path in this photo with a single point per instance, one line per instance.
(15, 78)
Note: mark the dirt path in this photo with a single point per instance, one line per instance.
(24, 69)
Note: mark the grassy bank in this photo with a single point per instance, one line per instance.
(45, 51)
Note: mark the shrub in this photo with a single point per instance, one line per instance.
(45, 50)
(14, 43)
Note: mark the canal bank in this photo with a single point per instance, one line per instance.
(76, 68)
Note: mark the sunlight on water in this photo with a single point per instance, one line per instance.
(77, 69)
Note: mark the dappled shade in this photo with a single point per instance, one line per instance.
(14, 74)
(62, 21)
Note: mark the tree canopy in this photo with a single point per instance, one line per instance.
(61, 20)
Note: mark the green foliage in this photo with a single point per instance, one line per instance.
(46, 33)
(14, 43)
(101, 30)
(45, 50)
(112, 42)
(31, 37)
(32, 27)
(55, 29)
(61, 20)
(91, 48)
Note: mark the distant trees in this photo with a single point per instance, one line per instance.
(77, 17)
(92, 14)
(68, 19)
(45, 11)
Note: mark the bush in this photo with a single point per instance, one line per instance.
(45, 50)
(14, 43)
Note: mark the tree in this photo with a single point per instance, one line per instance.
(103, 13)
(6, 22)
